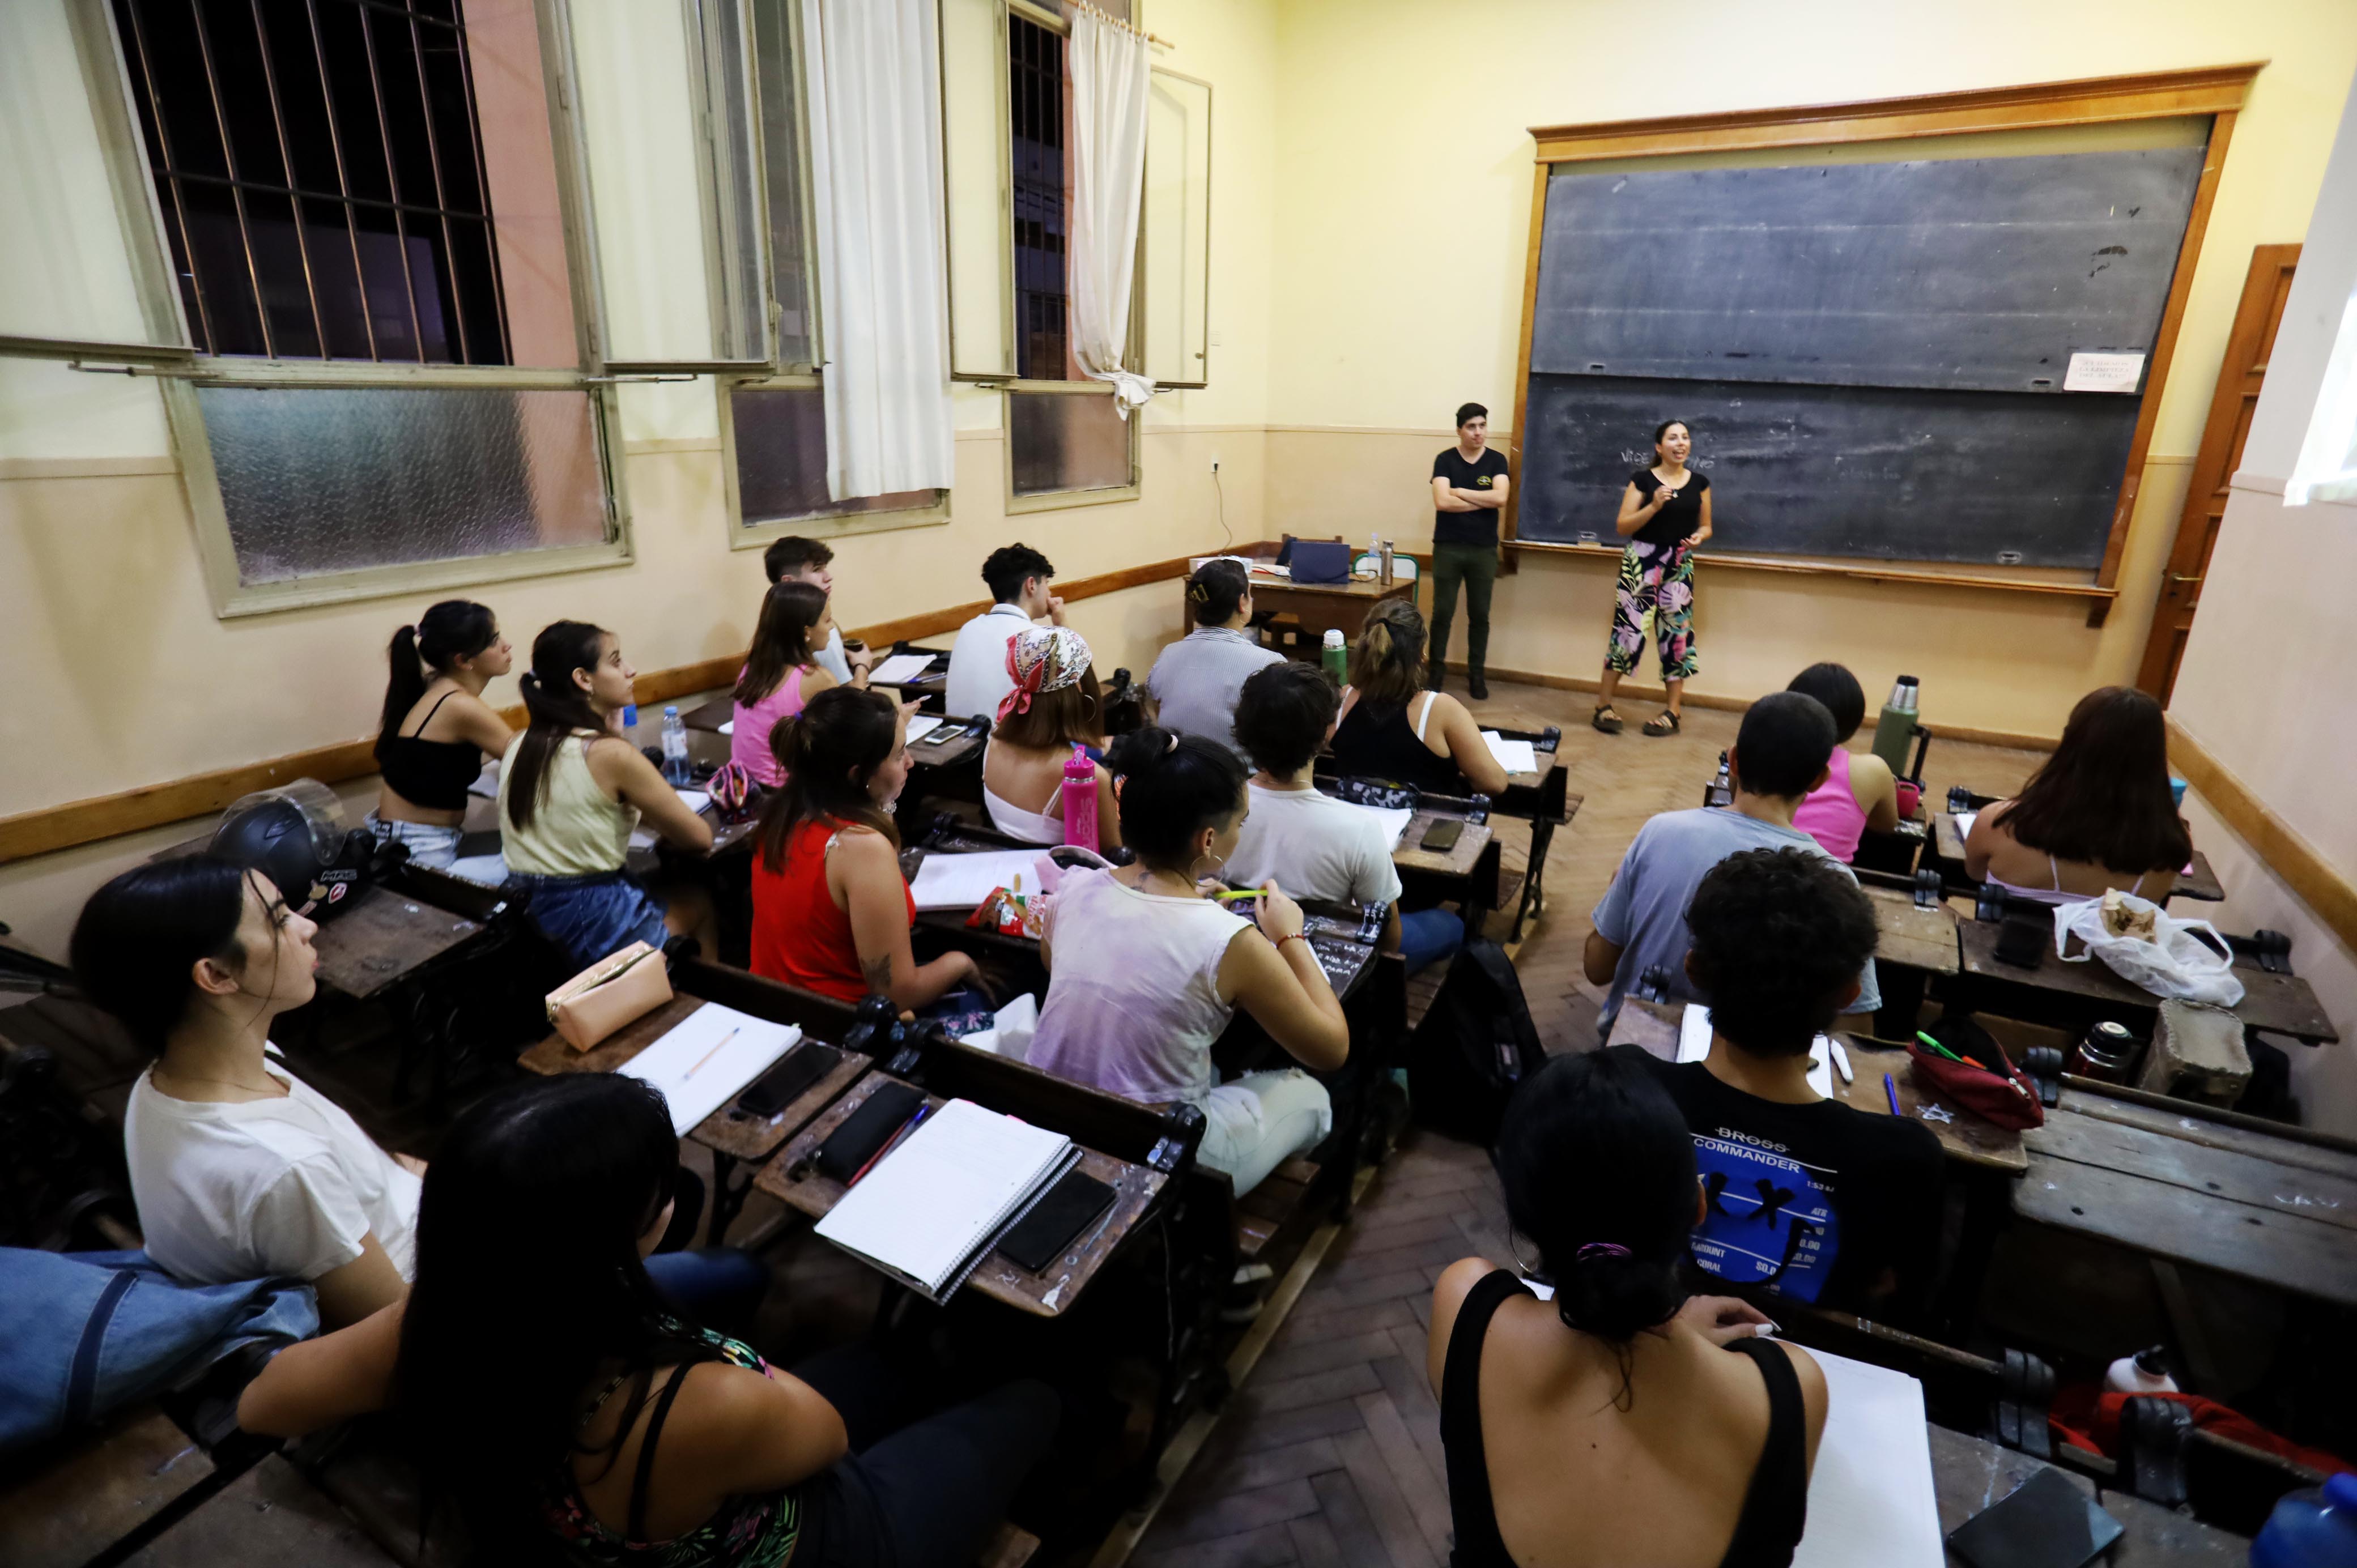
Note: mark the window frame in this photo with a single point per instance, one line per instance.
(179, 372)
(745, 535)
(1210, 153)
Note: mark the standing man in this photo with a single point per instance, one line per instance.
(1468, 486)
(1018, 577)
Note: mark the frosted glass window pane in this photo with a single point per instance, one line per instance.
(341, 479)
(780, 438)
(1067, 441)
(776, 73)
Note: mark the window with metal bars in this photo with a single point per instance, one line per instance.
(1039, 153)
(320, 168)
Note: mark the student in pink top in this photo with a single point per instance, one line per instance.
(781, 673)
(1859, 792)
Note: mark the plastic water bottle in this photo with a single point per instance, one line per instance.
(675, 749)
(2315, 1527)
(1895, 727)
(1080, 799)
(1335, 657)
(631, 723)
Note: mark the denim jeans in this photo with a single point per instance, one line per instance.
(717, 1287)
(1428, 936)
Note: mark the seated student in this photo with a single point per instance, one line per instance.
(1145, 969)
(831, 910)
(554, 1396)
(1859, 792)
(793, 560)
(1779, 937)
(1624, 1421)
(437, 731)
(1311, 844)
(1393, 729)
(240, 1169)
(2098, 815)
(978, 681)
(571, 792)
(1193, 685)
(1055, 707)
(1778, 756)
(781, 673)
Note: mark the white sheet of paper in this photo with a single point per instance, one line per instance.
(727, 726)
(2103, 372)
(1965, 821)
(487, 782)
(962, 881)
(1011, 1030)
(1514, 756)
(900, 667)
(697, 799)
(1693, 1045)
(713, 1053)
(920, 725)
(1871, 1502)
(1394, 819)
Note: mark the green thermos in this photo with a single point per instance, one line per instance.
(1895, 727)
(1335, 657)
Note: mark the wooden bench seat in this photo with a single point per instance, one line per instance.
(88, 1493)
(271, 1517)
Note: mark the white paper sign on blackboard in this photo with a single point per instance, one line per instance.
(2103, 372)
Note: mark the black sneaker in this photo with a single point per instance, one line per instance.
(1477, 688)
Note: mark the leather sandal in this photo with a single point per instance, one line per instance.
(1666, 721)
(1608, 721)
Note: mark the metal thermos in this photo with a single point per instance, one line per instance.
(1895, 727)
(1384, 573)
(2107, 1052)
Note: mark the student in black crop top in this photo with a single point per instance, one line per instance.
(1390, 730)
(1610, 1424)
(437, 729)
(1665, 517)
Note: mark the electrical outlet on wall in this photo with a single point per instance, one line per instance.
(1215, 463)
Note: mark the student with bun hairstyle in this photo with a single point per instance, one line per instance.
(1859, 792)
(1193, 686)
(2099, 814)
(437, 729)
(572, 792)
(831, 910)
(781, 673)
(1393, 730)
(1055, 707)
(1624, 1421)
(1145, 969)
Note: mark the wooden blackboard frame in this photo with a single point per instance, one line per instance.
(2217, 92)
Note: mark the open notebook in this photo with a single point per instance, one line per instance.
(931, 1208)
(707, 1057)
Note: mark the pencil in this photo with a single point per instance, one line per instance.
(1891, 1090)
(709, 1055)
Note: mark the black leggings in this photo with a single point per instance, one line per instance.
(920, 1494)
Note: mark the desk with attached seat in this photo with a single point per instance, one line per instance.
(2200, 883)
(2072, 994)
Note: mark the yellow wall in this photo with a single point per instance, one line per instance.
(1404, 221)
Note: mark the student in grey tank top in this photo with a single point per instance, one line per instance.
(1195, 683)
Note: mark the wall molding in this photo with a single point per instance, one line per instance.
(2287, 857)
(51, 828)
(139, 466)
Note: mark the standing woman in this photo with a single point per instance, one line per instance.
(437, 728)
(571, 792)
(781, 673)
(1666, 516)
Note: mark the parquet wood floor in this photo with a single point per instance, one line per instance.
(1329, 1454)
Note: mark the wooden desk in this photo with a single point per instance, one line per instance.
(1316, 606)
(2073, 995)
(1966, 1139)
(1969, 1475)
(1912, 946)
(793, 1180)
(708, 716)
(2181, 1184)
(2200, 883)
(1467, 875)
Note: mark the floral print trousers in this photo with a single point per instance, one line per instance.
(1658, 578)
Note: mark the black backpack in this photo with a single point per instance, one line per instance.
(1473, 1048)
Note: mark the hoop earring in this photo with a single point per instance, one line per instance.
(1219, 863)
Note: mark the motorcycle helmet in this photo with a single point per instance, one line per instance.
(295, 836)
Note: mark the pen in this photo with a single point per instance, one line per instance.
(890, 1143)
(1941, 1048)
(1891, 1090)
(710, 1054)
(1841, 1061)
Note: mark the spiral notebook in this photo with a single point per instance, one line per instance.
(931, 1208)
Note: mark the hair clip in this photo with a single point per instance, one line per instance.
(1173, 746)
(1599, 1249)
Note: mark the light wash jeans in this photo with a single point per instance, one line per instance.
(1260, 1121)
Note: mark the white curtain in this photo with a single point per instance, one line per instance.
(1112, 75)
(874, 86)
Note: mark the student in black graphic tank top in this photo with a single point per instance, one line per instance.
(1665, 517)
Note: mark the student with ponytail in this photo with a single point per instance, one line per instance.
(1194, 685)
(830, 911)
(781, 673)
(437, 729)
(572, 792)
(1145, 969)
(1393, 730)
(1612, 1425)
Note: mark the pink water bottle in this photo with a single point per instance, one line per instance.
(1080, 799)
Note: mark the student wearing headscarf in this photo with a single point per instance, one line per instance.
(1055, 707)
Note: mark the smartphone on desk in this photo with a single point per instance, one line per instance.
(2045, 1522)
(786, 1083)
(1442, 837)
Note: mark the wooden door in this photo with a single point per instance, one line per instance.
(2247, 349)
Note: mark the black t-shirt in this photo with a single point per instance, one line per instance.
(1815, 1200)
(1679, 518)
(1480, 525)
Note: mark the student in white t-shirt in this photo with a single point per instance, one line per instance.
(240, 1169)
(979, 679)
(1311, 844)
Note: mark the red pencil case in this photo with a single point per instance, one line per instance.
(1981, 1090)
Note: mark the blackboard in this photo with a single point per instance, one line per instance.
(1872, 355)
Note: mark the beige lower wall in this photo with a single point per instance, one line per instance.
(1988, 661)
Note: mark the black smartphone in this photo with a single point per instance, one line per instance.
(1041, 1237)
(2022, 942)
(784, 1084)
(866, 1130)
(1442, 837)
(2045, 1522)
